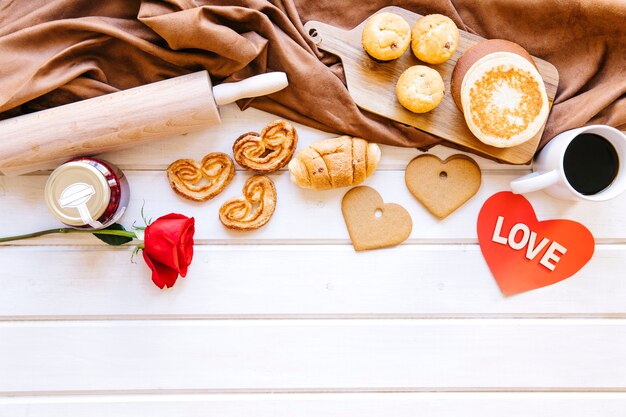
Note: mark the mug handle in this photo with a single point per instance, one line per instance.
(534, 181)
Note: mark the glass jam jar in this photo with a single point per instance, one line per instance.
(87, 193)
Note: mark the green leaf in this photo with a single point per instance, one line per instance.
(114, 239)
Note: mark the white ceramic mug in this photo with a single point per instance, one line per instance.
(549, 173)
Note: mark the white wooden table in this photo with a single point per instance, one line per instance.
(290, 321)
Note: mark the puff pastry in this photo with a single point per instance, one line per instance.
(334, 163)
(201, 182)
(268, 151)
(254, 209)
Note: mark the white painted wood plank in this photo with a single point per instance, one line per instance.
(313, 356)
(268, 281)
(315, 405)
(220, 138)
(301, 215)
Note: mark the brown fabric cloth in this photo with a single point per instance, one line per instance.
(53, 52)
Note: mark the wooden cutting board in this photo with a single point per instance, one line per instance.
(372, 86)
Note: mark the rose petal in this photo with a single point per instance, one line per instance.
(162, 275)
(185, 248)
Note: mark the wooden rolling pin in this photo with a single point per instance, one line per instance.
(171, 107)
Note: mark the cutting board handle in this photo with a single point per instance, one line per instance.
(327, 37)
(256, 86)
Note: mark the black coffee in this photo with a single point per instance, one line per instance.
(591, 163)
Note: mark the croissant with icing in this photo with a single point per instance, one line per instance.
(334, 163)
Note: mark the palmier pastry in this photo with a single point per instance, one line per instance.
(334, 163)
(269, 151)
(254, 209)
(498, 88)
(201, 182)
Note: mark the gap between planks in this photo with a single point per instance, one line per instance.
(90, 243)
(313, 317)
(603, 391)
(520, 322)
(279, 404)
(174, 396)
(432, 404)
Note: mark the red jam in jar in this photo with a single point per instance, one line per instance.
(87, 193)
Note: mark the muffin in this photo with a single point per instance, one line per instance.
(386, 36)
(498, 88)
(434, 38)
(420, 89)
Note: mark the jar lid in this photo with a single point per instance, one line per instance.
(77, 194)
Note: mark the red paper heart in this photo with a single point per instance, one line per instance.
(510, 265)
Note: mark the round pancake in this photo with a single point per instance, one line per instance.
(502, 96)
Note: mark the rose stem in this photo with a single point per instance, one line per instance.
(69, 230)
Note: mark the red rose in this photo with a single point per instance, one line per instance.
(168, 248)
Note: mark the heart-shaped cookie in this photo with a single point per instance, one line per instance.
(254, 209)
(371, 223)
(524, 253)
(442, 186)
(201, 182)
(268, 151)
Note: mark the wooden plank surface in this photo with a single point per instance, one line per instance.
(289, 320)
(315, 405)
(304, 216)
(227, 282)
(312, 355)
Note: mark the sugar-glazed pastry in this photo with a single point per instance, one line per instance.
(498, 88)
(269, 151)
(254, 209)
(201, 182)
(434, 38)
(386, 36)
(420, 89)
(334, 163)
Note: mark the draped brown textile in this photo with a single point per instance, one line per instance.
(57, 51)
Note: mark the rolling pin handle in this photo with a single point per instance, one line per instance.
(256, 86)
